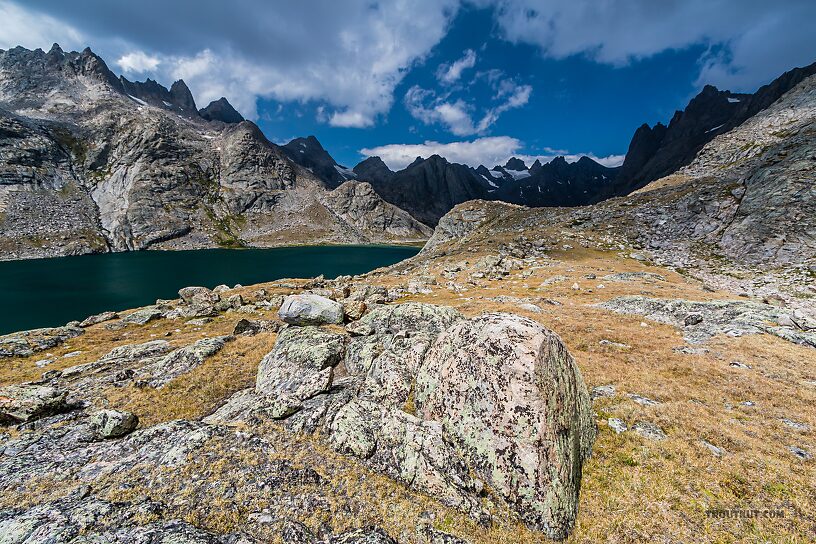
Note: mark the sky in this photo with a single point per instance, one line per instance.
(477, 81)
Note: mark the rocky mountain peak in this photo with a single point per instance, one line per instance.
(515, 164)
(221, 110)
(417, 161)
(309, 153)
(373, 169)
(182, 97)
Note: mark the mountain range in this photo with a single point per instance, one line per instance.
(93, 162)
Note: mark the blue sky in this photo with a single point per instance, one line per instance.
(476, 81)
(575, 106)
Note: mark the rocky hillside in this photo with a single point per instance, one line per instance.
(90, 163)
(658, 151)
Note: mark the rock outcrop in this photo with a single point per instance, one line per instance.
(509, 395)
(442, 403)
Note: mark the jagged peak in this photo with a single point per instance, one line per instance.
(515, 163)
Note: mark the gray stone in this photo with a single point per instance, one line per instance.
(410, 317)
(98, 318)
(617, 425)
(198, 295)
(301, 363)
(143, 316)
(800, 453)
(715, 451)
(27, 402)
(251, 327)
(181, 361)
(310, 310)
(113, 423)
(602, 391)
(643, 401)
(794, 424)
(649, 430)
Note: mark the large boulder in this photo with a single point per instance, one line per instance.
(27, 402)
(301, 363)
(308, 309)
(510, 396)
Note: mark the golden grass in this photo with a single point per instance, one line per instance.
(200, 391)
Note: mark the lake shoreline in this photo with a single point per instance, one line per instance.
(52, 291)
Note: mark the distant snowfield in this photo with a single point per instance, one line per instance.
(347, 173)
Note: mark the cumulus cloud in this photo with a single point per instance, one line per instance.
(760, 39)
(138, 62)
(450, 73)
(349, 55)
(457, 115)
(488, 151)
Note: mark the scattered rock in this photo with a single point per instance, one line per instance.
(643, 401)
(617, 425)
(198, 295)
(648, 430)
(530, 307)
(634, 276)
(143, 316)
(730, 317)
(794, 424)
(715, 451)
(301, 363)
(251, 327)
(800, 453)
(113, 423)
(620, 345)
(27, 402)
(692, 319)
(98, 318)
(354, 309)
(181, 361)
(602, 391)
(310, 310)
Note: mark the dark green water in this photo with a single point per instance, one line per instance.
(48, 292)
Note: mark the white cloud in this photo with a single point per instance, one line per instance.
(488, 151)
(32, 29)
(349, 56)
(762, 39)
(137, 62)
(450, 73)
(457, 115)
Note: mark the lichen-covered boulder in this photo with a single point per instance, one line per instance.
(113, 423)
(27, 402)
(310, 309)
(510, 396)
(301, 363)
(411, 317)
